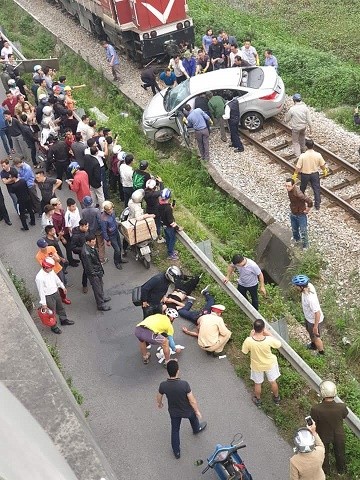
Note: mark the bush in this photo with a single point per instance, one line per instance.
(22, 290)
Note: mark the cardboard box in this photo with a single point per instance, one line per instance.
(136, 231)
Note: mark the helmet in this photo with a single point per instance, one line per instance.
(328, 389)
(138, 196)
(48, 262)
(87, 201)
(45, 122)
(52, 137)
(11, 82)
(73, 167)
(297, 97)
(37, 67)
(107, 205)
(116, 149)
(304, 440)
(67, 88)
(300, 280)
(173, 272)
(166, 194)
(47, 110)
(171, 312)
(151, 183)
(144, 164)
(124, 214)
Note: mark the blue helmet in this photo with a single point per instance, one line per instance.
(300, 280)
(73, 167)
(297, 97)
(166, 194)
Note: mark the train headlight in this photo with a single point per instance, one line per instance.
(179, 26)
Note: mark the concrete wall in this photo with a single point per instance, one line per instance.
(30, 373)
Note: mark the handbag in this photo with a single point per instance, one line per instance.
(136, 296)
(46, 316)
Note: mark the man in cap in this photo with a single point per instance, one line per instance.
(94, 271)
(262, 360)
(329, 418)
(298, 118)
(48, 284)
(212, 333)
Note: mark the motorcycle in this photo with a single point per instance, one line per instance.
(142, 250)
(227, 463)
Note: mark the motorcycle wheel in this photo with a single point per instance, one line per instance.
(146, 263)
(234, 475)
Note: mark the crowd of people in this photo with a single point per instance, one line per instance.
(89, 160)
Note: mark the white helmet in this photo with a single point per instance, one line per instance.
(116, 149)
(151, 183)
(45, 122)
(173, 272)
(37, 67)
(107, 205)
(304, 441)
(138, 196)
(11, 82)
(171, 312)
(47, 110)
(328, 389)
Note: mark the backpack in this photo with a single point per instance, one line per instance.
(138, 180)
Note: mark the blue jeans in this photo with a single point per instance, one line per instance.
(175, 430)
(193, 315)
(105, 183)
(116, 244)
(299, 228)
(170, 237)
(5, 140)
(253, 294)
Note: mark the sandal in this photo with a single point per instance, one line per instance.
(146, 359)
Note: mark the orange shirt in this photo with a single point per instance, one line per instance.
(40, 256)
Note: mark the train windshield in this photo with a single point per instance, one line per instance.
(174, 96)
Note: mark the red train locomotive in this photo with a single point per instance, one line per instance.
(142, 29)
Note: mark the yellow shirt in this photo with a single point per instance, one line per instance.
(158, 323)
(211, 327)
(261, 357)
(310, 161)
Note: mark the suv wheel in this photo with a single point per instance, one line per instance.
(164, 135)
(252, 121)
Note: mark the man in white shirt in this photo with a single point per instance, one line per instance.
(234, 51)
(298, 118)
(48, 284)
(84, 129)
(72, 215)
(6, 51)
(312, 311)
(126, 174)
(249, 53)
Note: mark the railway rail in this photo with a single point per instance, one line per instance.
(274, 145)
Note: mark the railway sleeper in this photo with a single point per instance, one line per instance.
(280, 146)
(345, 183)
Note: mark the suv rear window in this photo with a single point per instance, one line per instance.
(255, 77)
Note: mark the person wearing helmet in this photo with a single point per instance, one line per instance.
(156, 330)
(329, 418)
(298, 117)
(111, 233)
(153, 189)
(13, 88)
(79, 183)
(311, 310)
(309, 450)
(48, 285)
(38, 73)
(300, 205)
(154, 290)
(135, 209)
(168, 221)
(141, 176)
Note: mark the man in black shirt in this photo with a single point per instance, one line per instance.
(168, 221)
(78, 150)
(3, 211)
(58, 153)
(6, 175)
(47, 187)
(217, 54)
(148, 76)
(14, 130)
(181, 404)
(22, 193)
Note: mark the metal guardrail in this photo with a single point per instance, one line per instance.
(16, 51)
(311, 378)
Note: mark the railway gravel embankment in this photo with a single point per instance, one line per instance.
(332, 231)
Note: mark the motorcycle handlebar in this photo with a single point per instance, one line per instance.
(205, 469)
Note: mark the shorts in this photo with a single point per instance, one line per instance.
(271, 375)
(145, 335)
(309, 327)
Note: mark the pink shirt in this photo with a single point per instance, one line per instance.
(80, 185)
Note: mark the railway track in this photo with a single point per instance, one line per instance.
(343, 178)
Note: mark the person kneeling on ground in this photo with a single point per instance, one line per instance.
(309, 455)
(157, 330)
(212, 332)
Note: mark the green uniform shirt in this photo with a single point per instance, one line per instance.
(216, 106)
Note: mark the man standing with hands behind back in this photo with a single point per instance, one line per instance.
(181, 404)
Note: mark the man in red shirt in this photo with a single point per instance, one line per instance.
(10, 103)
(80, 183)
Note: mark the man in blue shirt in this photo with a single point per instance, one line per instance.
(3, 132)
(26, 173)
(197, 119)
(168, 77)
(270, 60)
(113, 60)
